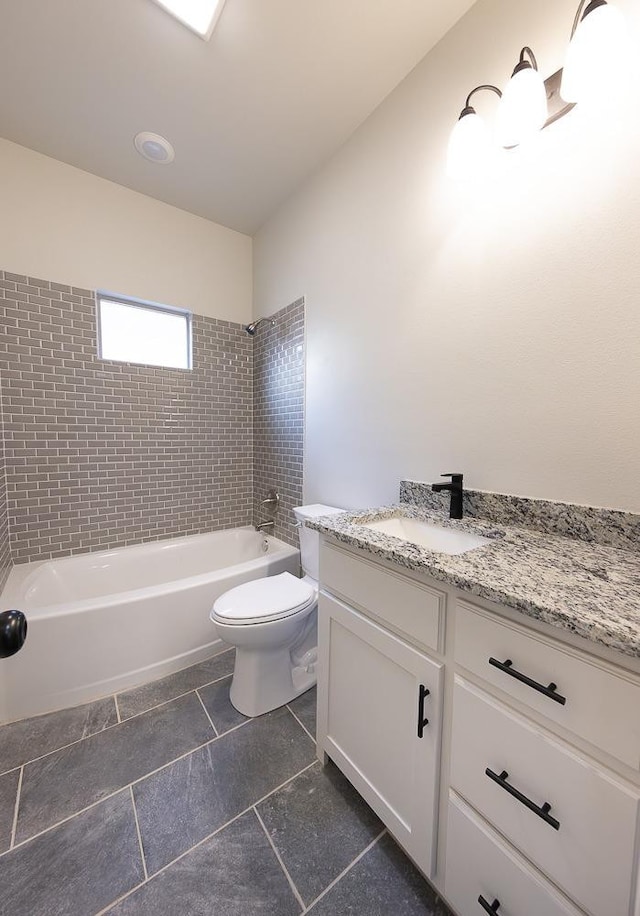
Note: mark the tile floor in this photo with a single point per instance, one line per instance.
(164, 800)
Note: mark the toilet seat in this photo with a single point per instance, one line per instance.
(263, 600)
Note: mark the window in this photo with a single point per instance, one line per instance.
(141, 332)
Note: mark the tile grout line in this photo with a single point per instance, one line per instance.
(135, 782)
(205, 839)
(206, 712)
(303, 727)
(135, 816)
(284, 868)
(15, 810)
(64, 820)
(171, 699)
(115, 700)
(344, 872)
(136, 715)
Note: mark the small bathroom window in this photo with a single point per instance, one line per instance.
(132, 331)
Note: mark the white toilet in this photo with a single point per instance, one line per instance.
(272, 622)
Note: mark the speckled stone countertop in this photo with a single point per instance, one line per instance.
(589, 589)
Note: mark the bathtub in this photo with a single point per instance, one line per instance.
(102, 622)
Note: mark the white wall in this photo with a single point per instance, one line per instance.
(493, 330)
(60, 223)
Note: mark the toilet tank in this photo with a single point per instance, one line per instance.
(310, 540)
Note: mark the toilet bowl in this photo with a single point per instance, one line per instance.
(272, 622)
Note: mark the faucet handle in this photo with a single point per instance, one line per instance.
(456, 477)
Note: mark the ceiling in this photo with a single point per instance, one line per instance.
(279, 87)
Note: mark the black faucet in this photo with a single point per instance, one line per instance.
(455, 488)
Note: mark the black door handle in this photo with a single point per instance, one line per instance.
(550, 691)
(13, 632)
(491, 908)
(541, 811)
(423, 693)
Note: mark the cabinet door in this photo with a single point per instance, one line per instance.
(379, 707)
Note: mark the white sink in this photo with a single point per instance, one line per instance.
(433, 537)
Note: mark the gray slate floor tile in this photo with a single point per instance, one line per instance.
(75, 869)
(383, 882)
(23, 741)
(319, 824)
(8, 791)
(188, 800)
(235, 873)
(217, 703)
(63, 783)
(304, 707)
(146, 697)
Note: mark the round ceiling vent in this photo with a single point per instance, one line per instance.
(154, 147)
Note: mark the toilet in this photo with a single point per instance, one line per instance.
(272, 622)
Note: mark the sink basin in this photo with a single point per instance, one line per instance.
(433, 537)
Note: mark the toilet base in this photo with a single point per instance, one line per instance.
(264, 680)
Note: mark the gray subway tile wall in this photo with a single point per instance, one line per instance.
(278, 416)
(97, 454)
(5, 550)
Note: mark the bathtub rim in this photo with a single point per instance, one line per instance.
(21, 574)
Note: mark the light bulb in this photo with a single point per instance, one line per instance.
(598, 48)
(469, 146)
(523, 108)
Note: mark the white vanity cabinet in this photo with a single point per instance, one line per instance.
(379, 719)
(521, 794)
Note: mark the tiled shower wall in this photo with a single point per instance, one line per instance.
(103, 454)
(278, 416)
(5, 552)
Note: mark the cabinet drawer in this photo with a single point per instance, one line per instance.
(601, 706)
(407, 606)
(479, 864)
(592, 853)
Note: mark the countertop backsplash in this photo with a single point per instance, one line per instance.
(605, 527)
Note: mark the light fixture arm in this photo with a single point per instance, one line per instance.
(594, 4)
(529, 53)
(467, 104)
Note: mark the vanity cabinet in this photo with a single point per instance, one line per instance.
(521, 794)
(379, 717)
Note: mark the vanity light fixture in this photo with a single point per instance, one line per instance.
(198, 15)
(598, 39)
(470, 144)
(530, 102)
(523, 108)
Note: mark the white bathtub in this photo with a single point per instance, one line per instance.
(102, 622)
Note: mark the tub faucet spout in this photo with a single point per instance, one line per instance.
(266, 527)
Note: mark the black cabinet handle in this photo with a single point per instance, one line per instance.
(491, 908)
(13, 632)
(542, 812)
(549, 691)
(423, 693)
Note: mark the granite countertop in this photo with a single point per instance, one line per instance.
(586, 588)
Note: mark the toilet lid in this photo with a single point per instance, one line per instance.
(265, 599)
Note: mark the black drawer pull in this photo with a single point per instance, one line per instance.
(542, 812)
(423, 693)
(549, 691)
(491, 908)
